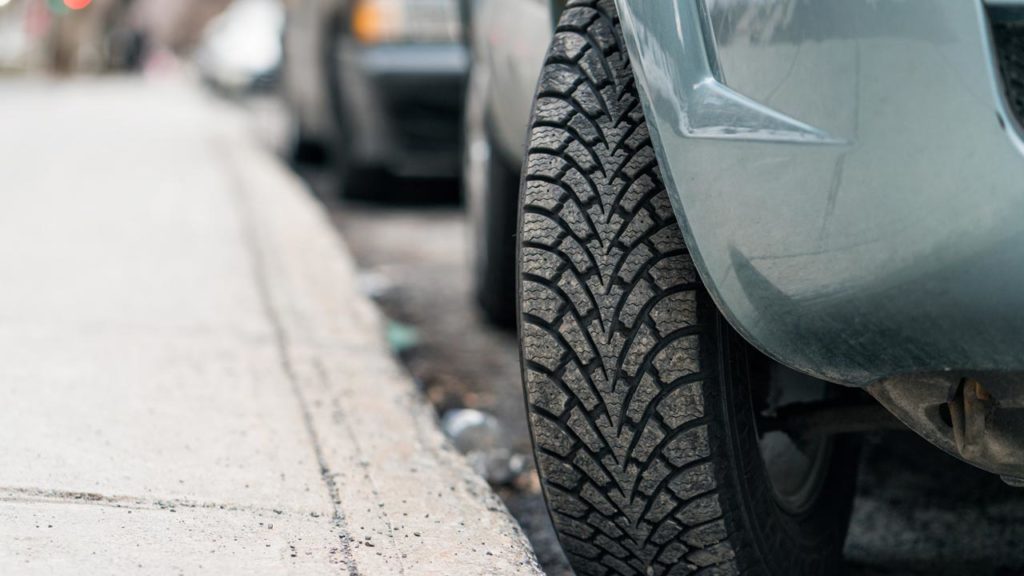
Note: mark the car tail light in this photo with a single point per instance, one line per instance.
(405, 21)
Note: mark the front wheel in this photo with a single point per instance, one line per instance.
(644, 406)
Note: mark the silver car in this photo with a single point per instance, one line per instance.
(507, 40)
(744, 226)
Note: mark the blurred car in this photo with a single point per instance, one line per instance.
(735, 216)
(240, 50)
(379, 84)
(507, 41)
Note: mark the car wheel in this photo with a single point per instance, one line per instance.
(648, 413)
(492, 198)
(302, 149)
(353, 181)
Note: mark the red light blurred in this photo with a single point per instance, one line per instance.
(77, 4)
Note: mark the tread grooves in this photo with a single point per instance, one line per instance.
(604, 286)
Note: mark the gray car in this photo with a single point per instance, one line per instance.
(378, 85)
(744, 226)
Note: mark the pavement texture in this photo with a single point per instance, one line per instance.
(191, 382)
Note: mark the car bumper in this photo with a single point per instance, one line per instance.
(868, 222)
(403, 106)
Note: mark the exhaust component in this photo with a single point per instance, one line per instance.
(982, 424)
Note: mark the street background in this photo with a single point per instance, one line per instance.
(918, 511)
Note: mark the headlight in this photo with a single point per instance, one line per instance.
(401, 21)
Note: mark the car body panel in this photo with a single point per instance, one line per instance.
(509, 41)
(848, 179)
(304, 78)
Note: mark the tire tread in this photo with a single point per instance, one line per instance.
(609, 327)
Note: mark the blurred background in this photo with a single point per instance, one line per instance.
(98, 36)
(367, 100)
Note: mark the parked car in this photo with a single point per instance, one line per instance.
(735, 216)
(378, 84)
(240, 49)
(507, 40)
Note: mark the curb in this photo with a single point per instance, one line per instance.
(403, 499)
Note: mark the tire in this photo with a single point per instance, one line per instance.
(302, 149)
(352, 180)
(492, 198)
(643, 404)
(355, 182)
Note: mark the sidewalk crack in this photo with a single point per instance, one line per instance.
(257, 257)
(13, 494)
(339, 410)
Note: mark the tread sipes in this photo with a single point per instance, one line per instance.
(610, 330)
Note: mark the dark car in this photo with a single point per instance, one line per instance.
(378, 85)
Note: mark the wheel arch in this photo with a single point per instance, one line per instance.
(861, 288)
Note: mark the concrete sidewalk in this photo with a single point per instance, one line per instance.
(190, 382)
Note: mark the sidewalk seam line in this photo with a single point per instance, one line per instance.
(18, 495)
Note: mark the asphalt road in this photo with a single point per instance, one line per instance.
(918, 511)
